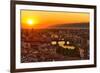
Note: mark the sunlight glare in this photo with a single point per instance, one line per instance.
(30, 22)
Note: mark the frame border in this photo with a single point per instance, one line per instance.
(13, 33)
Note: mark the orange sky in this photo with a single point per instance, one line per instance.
(44, 19)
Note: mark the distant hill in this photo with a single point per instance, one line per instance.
(75, 25)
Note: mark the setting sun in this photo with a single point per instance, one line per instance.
(30, 22)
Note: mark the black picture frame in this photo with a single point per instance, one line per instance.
(13, 34)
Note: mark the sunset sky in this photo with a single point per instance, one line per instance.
(45, 19)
